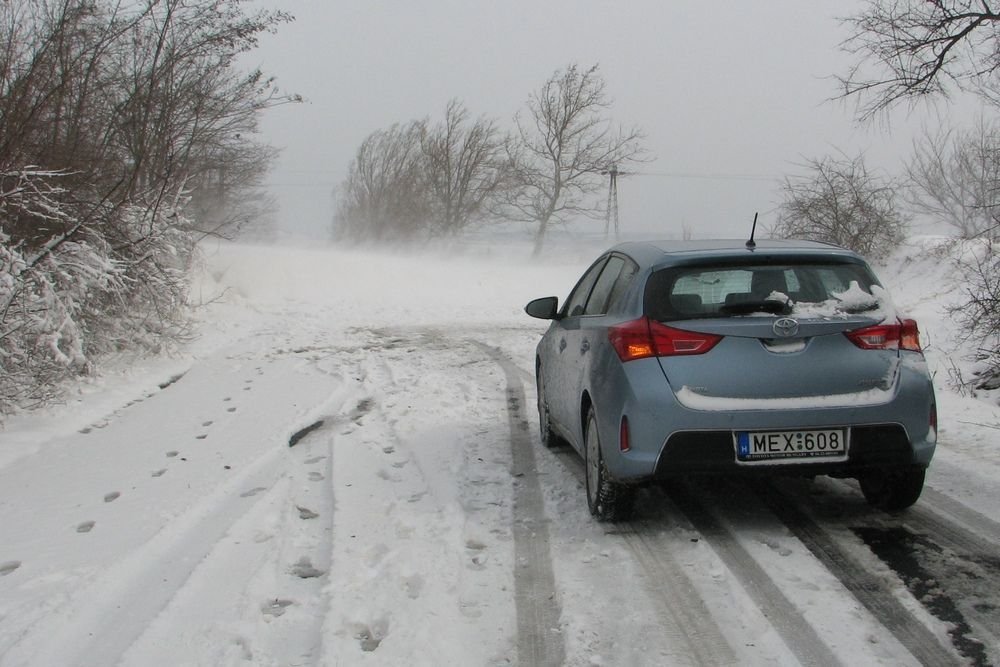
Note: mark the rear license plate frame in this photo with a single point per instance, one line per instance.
(791, 446)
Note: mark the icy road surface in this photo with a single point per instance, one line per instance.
(344, 470)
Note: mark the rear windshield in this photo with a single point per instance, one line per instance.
(724, 291)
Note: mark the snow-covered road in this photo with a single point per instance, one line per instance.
(345, 470)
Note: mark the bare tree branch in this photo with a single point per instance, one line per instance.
(909, 49)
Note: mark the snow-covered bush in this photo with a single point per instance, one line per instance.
(113, 278)
(142, 122)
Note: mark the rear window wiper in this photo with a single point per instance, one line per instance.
(772, 306)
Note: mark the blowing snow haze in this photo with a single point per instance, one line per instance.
(731, 99)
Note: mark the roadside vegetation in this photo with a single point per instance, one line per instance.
(126, 136)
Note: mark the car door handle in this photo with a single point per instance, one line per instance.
(584, 346)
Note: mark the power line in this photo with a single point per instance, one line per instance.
(710, 176)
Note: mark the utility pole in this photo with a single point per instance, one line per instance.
(612, 209)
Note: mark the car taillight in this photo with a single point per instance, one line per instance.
(643, 338)
(903, 335)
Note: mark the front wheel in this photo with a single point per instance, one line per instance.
(892, 490)
(607, 500)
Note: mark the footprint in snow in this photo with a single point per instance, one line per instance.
(413, 585)
(208, 423)
(304, 569)
(253, 492)
(315, 459)
(172, 453)
(275, 607)
(316, 477)
(85, 527)
(159, 473)
(201, 437)
(306, 513)
(371, 636)
(230, 409)
(109, 497)
(478, 560)
(8, 567)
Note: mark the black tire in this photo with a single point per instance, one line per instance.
(607, 500)
(548, 438)
(893, 490)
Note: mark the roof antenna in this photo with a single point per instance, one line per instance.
(751, 244)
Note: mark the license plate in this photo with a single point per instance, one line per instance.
(790, 446)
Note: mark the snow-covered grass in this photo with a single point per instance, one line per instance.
(161, 517)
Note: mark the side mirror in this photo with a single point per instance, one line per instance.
(546, 308)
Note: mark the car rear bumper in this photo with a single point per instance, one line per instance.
(668, 438)
(871, 447)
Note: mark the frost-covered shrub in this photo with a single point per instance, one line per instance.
(150, 309)
(114, 279)
(43, 337)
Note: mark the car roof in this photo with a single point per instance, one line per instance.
(667, 252)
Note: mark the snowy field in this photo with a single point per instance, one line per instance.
(343, 469)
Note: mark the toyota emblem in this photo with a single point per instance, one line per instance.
(785, 327)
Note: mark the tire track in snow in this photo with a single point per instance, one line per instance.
(537, 604)
(971, 557)
(692, 623)
(871, 591)
(799, 636)
(947, 555)
(114, 610)
(687, 620)
(103, 624)
(976, 529)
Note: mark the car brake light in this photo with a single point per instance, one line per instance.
(623, 442)
(643, 338)
(899, 336)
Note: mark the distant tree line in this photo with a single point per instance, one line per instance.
(421, 180)
(126, 135)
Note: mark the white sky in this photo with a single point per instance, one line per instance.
(732, 95)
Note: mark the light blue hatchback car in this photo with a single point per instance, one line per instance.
(782, 357)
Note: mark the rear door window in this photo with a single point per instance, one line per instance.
(578, 297)
(598, 302)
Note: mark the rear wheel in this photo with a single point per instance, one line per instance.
(607, 500)
(548, 437)
(893, 490)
